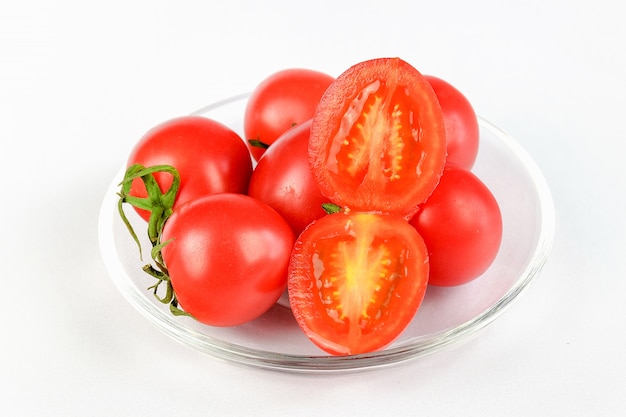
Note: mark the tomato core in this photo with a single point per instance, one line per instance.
(378, 141)
(370, 266)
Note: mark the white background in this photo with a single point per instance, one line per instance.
(81, 81)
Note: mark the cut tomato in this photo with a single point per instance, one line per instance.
(378, 138)
(356, 280)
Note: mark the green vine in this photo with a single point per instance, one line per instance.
(160, 205)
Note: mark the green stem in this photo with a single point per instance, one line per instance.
(258, 144)
(160, 205)
(331, 208)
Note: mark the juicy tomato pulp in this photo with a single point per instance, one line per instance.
(356, 280)
(378, 138)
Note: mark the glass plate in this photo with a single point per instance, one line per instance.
(447, 315)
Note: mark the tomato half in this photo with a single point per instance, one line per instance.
(228, 258)
(283, 179)
(462, 134)
(282, 100)
(356, 280)
(209, 156)
(461, 224)
(378, 138)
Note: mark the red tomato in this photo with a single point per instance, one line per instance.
(282, 100)
(229, 257)
(356, 280)
(378, 138)
(461, 123)
(461, 224)
(209, 156)
(283, 179)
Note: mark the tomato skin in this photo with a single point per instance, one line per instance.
(461, 224)
(378, 138)
(283, 179)
(462, 132)
(209, 156)
(356, 280)
(229, 257)
(284, 99)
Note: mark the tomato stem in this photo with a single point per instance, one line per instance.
(160, 205)
(258, 144)
(331, 208)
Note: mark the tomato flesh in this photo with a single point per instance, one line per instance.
(378, 138)
(356, 280)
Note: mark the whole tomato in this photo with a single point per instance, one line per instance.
(209, 156)
(461, 224)
(227, 258)
(462, 132)
(283, 179)
(282, 100)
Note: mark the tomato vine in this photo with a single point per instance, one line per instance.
(160, 205)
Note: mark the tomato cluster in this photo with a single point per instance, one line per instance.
(361, 197)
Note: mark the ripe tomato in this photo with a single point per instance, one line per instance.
(461, 123)
(228, 258)
(282, 100)
(283, 179)
(461, 224)
(356, 280)
(209, 156)
(378, 138)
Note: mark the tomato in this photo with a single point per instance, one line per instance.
(461, 123)
(209, 156)
(356, 280)
(283, 179)
(282, 100)
(228, 258)
(461, 224)
(378, 138)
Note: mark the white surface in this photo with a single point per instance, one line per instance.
(80, 82)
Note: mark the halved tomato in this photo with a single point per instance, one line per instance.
(356, 280)
(378, 138)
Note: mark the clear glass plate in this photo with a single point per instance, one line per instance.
(447, 316)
